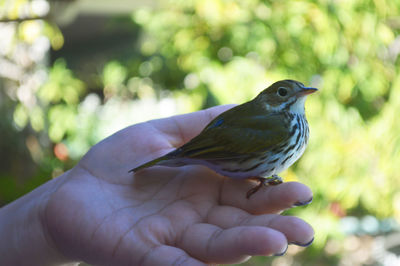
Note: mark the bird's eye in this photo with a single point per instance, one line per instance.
(282, 92)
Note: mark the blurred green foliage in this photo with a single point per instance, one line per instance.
(194, 54)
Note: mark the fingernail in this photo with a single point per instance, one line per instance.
(281, 254)
(301, 244)
(302, 203)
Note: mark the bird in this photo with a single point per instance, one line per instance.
(255, 140)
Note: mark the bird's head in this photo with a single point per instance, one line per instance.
(288, 95)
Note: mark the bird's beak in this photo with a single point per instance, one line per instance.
(307, 90)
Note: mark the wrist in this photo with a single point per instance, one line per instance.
(25, 239)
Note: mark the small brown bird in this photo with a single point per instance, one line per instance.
(255, 140)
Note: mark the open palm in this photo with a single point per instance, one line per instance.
(104, 215)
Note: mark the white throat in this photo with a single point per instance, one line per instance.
(298, 106)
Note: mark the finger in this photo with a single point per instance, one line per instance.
(167, 255)
(212, 244)
(269, 199)
(182, 128)
(295, 230)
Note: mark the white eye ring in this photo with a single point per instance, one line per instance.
(282, 92)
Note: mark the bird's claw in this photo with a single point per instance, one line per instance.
(272, 181)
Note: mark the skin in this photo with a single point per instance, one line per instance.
(99, 213)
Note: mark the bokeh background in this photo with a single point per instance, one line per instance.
(74, 71)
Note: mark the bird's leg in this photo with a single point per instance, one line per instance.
(253, 190)
(272, 181)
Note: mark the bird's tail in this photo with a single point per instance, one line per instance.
(172, 159)
(166, 160)
(149, 164)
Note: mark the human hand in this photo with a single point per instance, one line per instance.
(101, 214)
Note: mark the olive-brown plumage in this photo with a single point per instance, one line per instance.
(257, 139)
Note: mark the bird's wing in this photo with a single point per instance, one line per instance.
(230, 136)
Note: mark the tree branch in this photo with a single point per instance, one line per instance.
(19, 20)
